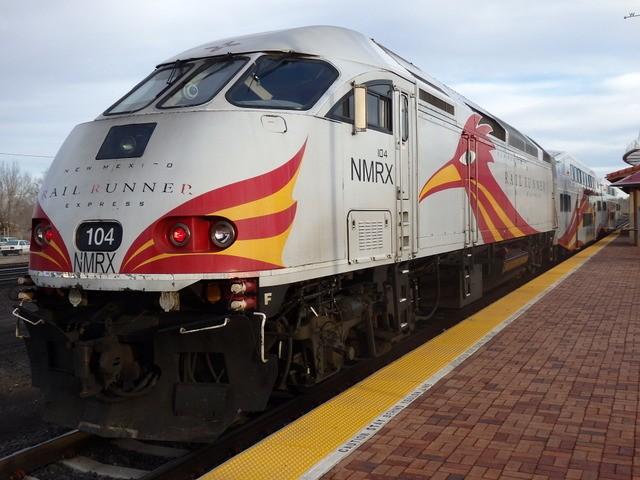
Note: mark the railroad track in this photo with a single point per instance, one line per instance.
(15, 466)
(73, 450)
(76, 450)
(10, 273)
(193, 461)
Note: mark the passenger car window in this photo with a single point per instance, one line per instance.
(283, 82)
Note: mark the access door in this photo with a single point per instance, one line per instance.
(405, 138)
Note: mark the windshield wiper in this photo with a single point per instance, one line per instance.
(259, 75)
(176, 71)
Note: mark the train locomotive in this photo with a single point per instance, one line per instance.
(258, 213)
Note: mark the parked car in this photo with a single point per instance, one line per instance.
(15, 247)
(4, 240)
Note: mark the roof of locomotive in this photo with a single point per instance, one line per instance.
(328, 42)
(322, 41)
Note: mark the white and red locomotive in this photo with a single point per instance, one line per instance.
(258, 212)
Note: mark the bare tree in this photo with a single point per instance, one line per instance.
(18, 193)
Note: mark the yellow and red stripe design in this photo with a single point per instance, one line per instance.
(496, 216)
(262, 209)
(569, 239)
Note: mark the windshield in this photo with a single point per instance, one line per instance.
(205, 83)
(149, 89)
(283, 82)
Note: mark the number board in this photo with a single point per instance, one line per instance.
(99, 236)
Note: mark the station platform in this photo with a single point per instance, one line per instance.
(544, 383)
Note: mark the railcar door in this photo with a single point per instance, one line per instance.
(405, 134)
(370, 179)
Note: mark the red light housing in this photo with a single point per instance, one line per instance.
(42, 233)
(179, 234)
(195, 234)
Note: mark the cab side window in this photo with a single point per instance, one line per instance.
(379, 110)
(379, 107)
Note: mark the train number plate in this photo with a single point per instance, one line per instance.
(99, 236)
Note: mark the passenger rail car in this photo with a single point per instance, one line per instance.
(257, 213)
(588, 208)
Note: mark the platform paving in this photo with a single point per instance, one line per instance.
(556, 394)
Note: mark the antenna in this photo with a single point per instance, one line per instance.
(631, 15)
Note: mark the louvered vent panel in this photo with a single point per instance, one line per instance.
(370, 234)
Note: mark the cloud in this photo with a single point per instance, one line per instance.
(561, 71)
(593, 119)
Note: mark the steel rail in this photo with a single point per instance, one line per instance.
(15, 466)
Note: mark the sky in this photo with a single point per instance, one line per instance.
(564, 72)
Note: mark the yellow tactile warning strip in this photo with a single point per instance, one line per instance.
(314, 443)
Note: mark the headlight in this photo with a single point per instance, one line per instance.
(126, 141)
(223, 234)
(38, 234)
(127, 146)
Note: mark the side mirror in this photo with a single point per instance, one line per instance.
(359, 108)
